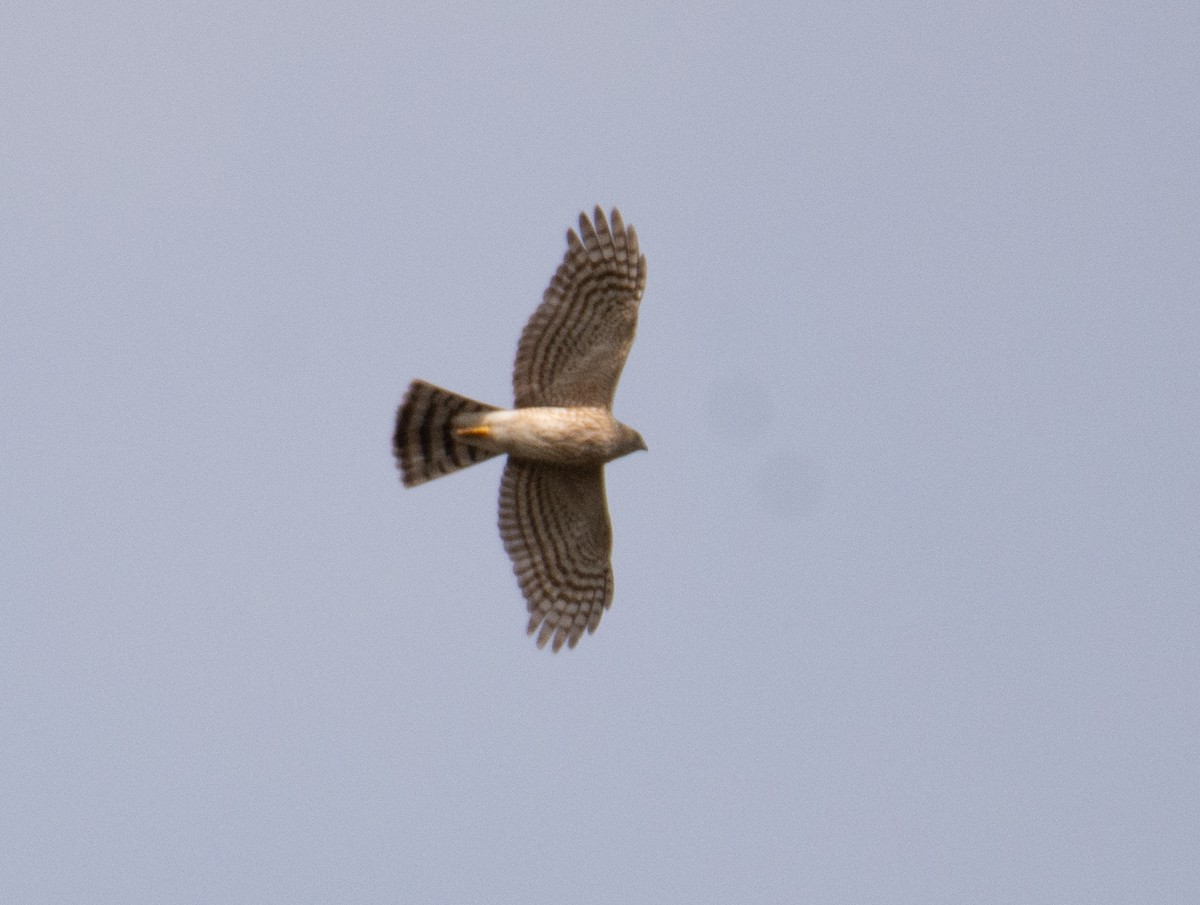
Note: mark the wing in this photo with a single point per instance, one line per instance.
(574, 347)
(554, 522)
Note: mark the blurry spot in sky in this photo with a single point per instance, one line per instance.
(787, 484)
(739, 408)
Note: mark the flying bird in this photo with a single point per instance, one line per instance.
(558, 435)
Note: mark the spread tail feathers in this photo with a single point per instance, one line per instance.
(424, 442)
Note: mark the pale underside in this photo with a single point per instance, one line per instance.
(575, 435)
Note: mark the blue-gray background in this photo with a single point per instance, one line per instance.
(906, 585)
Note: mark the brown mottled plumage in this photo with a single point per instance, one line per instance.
(553, 514)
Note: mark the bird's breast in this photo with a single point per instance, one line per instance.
(561, 436)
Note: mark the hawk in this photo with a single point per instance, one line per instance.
(558, 436)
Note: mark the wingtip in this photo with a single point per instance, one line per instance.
(588, 231)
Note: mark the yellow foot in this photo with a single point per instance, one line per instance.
(481, 430)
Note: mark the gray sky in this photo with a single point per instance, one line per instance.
(907, 584)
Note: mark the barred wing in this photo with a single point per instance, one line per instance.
(554, 522)
(574, 347)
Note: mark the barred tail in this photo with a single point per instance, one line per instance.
(424, 443)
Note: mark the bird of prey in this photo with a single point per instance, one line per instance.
(558, 436)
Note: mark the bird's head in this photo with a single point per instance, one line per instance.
(631, 440)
